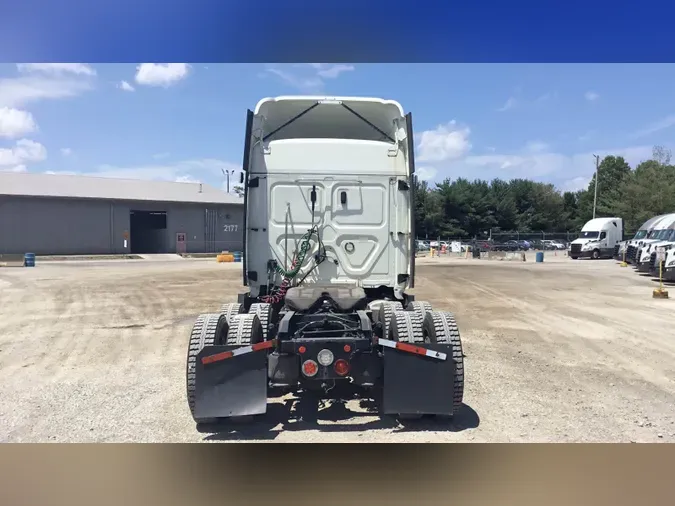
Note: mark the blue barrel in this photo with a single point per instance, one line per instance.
(237, 256)
(540, 256)
(29, 260)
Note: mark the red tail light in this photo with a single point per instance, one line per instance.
(341, 367)
(310, 368)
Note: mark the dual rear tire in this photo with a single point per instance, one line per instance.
(231, 327)
(420, 324)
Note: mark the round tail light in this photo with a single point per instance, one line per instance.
(325, 357)
(310, 368)
(341, 367)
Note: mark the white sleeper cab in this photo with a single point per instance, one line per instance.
(597, 239)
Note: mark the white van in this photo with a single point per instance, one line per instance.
(597, 239)
(656, 235)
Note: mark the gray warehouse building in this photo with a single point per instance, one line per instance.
(79, 215)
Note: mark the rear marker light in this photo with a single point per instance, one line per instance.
(347, 348)
(302, 349)
(310, 368)
(341, 367)
(325, 357)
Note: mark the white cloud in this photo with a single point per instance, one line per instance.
(308, 77)
(57, 68)
(591, 96)
(161, 74)
(16, 123)
(536, 147)
(448, 149)
(206, 170)
(575, 184)
(23, 152)
(308, 84)
(158, 156)
(66, 151)
(125, 86)
(425, 173)
(334, 71)
(61, 173)
(446, 142)
(657, 126)
(186, 178)
(34, 86)
(510, 104)
(16, 168)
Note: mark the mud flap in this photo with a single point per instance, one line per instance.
(416, 384)
(236, 386)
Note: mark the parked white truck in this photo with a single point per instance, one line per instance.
(329, 231)
(664, 239)
(597, 239)
(668, 265)
(656, 235)
(621, 250)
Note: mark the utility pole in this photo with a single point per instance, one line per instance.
(595, 198)
(227, 173)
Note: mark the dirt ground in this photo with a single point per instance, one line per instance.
(560, 351)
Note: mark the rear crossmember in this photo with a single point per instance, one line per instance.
(408, 348)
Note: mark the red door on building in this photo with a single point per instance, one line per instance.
(181, 243)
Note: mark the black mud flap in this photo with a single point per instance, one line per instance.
(235, 386)
(415, 384)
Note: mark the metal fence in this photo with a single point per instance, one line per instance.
(507, 236)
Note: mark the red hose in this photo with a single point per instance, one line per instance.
(280, 293)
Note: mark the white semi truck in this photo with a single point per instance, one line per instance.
(621, 249)
(658, 233)
(668, 268)
(597, 239)
(665, 241)
(328, 260)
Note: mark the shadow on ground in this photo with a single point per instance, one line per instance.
(308, 412)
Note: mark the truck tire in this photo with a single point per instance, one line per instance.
(384, 314)
(440, 327)
(230, 309)
(420, 306)
(210, 329)
(407, 327)
(596, 254)
(244, 330)
(265, 313)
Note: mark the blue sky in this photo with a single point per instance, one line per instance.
(186, 121)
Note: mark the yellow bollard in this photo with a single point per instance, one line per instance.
(660, 292)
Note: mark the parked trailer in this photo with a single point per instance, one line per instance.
(328, 259)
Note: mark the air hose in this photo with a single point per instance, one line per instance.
(289, 275)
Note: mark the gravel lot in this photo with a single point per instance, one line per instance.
(562, 351)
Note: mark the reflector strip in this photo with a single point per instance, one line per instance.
(239, 351)
(411, 348)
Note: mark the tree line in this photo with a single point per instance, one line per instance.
(464, 208)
